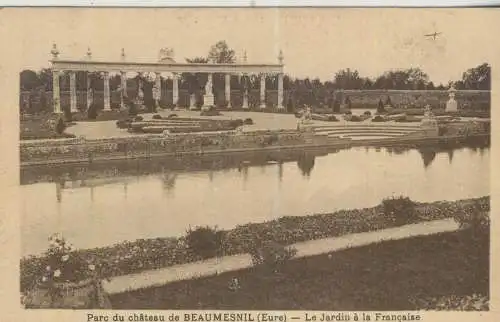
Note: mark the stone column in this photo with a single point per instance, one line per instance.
(227, 91)
(245, 92)
(192, 101)
(72, 91)
(123, 94)
(280, 91)
(107, 96)
(56, 95)
(175, 89)
(89, 92)
(263, 91)
(157, 95)
(208, 98)
(140, 92)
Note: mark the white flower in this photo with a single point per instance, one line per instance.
(65, 258)
(91, 267)
(47, 268)
(44, 279)
(57, 273)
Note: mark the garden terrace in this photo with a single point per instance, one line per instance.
(136, 256)
(147, 146)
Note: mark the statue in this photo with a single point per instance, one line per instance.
(306, 116)
(451, 105)
(428, 112)
(166, 54)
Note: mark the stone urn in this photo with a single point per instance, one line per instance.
(86, 294)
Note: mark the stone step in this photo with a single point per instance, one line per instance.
(371, 135)
(397, 132)
(366, 126)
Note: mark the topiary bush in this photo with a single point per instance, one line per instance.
(123, 124)
(236, 123)
(210, 112)
(138, 118)
(204, 242)
(92, 112)
(60, 126)
(378, 118)
(367, 113)
(400, 210)
(157, 117)
(332, 118)
(171, 116)
(355, 118)
(248, 121)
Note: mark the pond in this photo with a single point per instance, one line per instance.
(104, 204)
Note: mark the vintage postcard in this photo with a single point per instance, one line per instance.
(249, 164)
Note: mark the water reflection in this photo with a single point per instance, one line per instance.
(428, 155)
(101, 204)
(306, 164)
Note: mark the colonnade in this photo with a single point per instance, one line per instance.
(157, 88)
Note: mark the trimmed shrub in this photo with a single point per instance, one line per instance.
(92, 112)
(355, 118)
(236, 123)
(138, 118)
(171, 116)
(367, 113)
(204, 242)
(68, 116)
(248, 121)
(210, 112)
(378, 118)
(400, 210)
(157, 117)
(123, 124)
(348, 113)
(60, 126)
(332, 118)
(388, 101)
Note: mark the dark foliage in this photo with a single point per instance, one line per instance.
(60, 126)
(400, 210)
(204, 242)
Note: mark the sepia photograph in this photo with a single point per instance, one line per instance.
(316, 159)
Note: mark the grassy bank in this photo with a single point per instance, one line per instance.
(413, 274)
(141, 255)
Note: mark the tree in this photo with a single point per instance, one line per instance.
(195, 81)
(348, 79)
(478, 78)
(220, 53)
(29, 80)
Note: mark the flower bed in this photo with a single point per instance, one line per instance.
(140, 255)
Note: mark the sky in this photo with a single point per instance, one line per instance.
(316, 42)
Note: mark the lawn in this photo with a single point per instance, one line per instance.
(395, 275)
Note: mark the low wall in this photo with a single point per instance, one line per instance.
(417, 98)
(148, 145)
